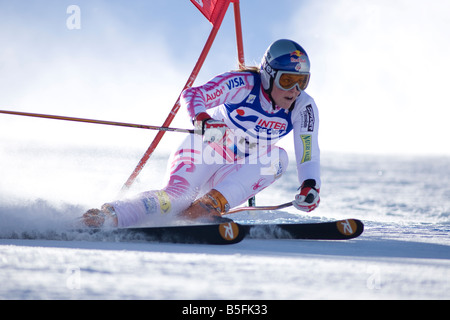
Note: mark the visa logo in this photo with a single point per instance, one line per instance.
(235, 83)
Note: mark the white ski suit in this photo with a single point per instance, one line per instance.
(246, 162)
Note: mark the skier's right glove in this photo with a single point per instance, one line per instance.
(212, 130)
(308, 199)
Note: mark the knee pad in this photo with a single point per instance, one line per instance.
(277, 164)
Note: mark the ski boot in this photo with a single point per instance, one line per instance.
(97, 218)
(208, 208)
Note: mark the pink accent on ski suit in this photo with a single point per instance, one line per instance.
(198, 167)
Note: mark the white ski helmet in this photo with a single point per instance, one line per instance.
(285, 57)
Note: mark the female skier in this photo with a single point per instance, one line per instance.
(238, 117)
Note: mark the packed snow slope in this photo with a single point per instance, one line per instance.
(404, 252)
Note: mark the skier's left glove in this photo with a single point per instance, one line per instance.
(308, 199)
(211, 129)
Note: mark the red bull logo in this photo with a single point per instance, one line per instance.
(296, 57)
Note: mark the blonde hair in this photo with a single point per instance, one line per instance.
(243, 68)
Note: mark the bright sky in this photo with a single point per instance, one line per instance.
(379, 67)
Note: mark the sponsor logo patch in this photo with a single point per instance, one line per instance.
(164, 201)
(306, 139)
(150, 205)
(308, 118)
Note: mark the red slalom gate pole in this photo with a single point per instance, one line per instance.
(238, 24)
(176, 107)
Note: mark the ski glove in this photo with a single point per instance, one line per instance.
(212, 130)
(308, 199)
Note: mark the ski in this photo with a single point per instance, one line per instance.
(219, 234)
(334, 230)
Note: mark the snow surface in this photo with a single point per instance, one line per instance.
(404, 252)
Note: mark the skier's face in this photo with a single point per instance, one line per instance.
(284, 99)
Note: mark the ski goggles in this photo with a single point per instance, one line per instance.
(287, 80)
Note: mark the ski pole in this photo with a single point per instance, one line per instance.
(276, 207)
(110, 123)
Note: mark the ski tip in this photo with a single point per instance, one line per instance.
(350, 228)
